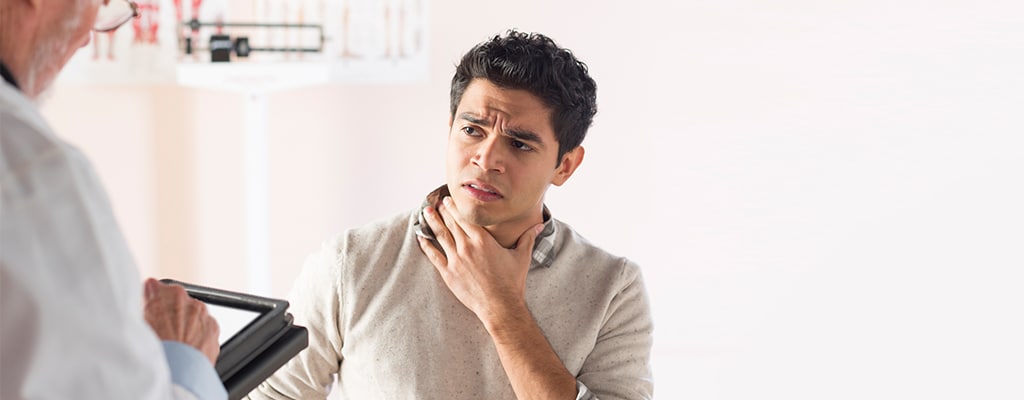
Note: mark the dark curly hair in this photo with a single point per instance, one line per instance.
(533, 62)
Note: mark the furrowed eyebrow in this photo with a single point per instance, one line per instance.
(474, 119)
(524, 135)
(516, 133)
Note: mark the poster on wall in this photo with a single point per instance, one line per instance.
(379, 41)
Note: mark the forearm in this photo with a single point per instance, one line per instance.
(532, 366)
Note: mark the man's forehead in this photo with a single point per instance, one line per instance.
(486, 103)
(481, 94)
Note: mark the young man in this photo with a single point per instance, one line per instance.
(481, 294)
(72, 323)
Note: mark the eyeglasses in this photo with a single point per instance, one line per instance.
(114, 13)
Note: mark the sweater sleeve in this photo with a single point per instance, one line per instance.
(619, 366)
(316, 304)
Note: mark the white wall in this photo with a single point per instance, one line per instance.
(824, 196)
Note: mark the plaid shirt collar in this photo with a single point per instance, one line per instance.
(543, 248)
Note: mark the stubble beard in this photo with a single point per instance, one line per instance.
(476, 214)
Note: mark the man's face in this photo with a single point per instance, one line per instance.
(502, 155)
(65, 29)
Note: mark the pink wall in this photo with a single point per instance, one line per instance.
(823, 197)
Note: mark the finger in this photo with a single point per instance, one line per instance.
(149, 287)
(433, 220)
(161, 296)
(433, 254)
(452, 220)
(213, 325)
(171, 291)
(198, 308)
(524, 246)
(212, 342)
(213, 328)
(441, 232)
(464, 226)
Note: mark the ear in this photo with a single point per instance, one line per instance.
(570, 161)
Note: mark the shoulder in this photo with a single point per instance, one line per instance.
(577, 252)
(375, 235)
(381, 229)
(381, 235)
(25, 140)
(365, 255)
(343, 255)
(28, 145)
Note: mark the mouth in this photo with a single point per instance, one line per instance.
(482, 191)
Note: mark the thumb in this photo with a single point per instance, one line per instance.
(525, 243)
(149, 287)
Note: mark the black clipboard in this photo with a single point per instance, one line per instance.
(262, 346)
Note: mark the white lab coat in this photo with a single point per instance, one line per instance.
(71, 325)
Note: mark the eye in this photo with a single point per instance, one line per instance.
(470, 131)
(521, 145)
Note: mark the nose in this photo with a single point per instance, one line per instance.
(490, 156)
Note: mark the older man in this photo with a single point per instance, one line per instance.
(72, 322)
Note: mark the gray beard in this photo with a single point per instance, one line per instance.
(43, 97)
(48, 59)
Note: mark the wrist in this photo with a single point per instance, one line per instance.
(502, 322)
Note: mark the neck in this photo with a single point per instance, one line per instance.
(507, 235)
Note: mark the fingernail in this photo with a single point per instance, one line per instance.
(427, 210)
(447, 200)
(538, 229)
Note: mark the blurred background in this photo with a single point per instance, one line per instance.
(825, 197)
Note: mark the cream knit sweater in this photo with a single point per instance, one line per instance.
(384, 324)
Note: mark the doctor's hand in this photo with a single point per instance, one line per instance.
(487, 278)
(174, 315)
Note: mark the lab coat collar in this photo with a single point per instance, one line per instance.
(6, 73)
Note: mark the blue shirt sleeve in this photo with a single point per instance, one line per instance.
(191, 370)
